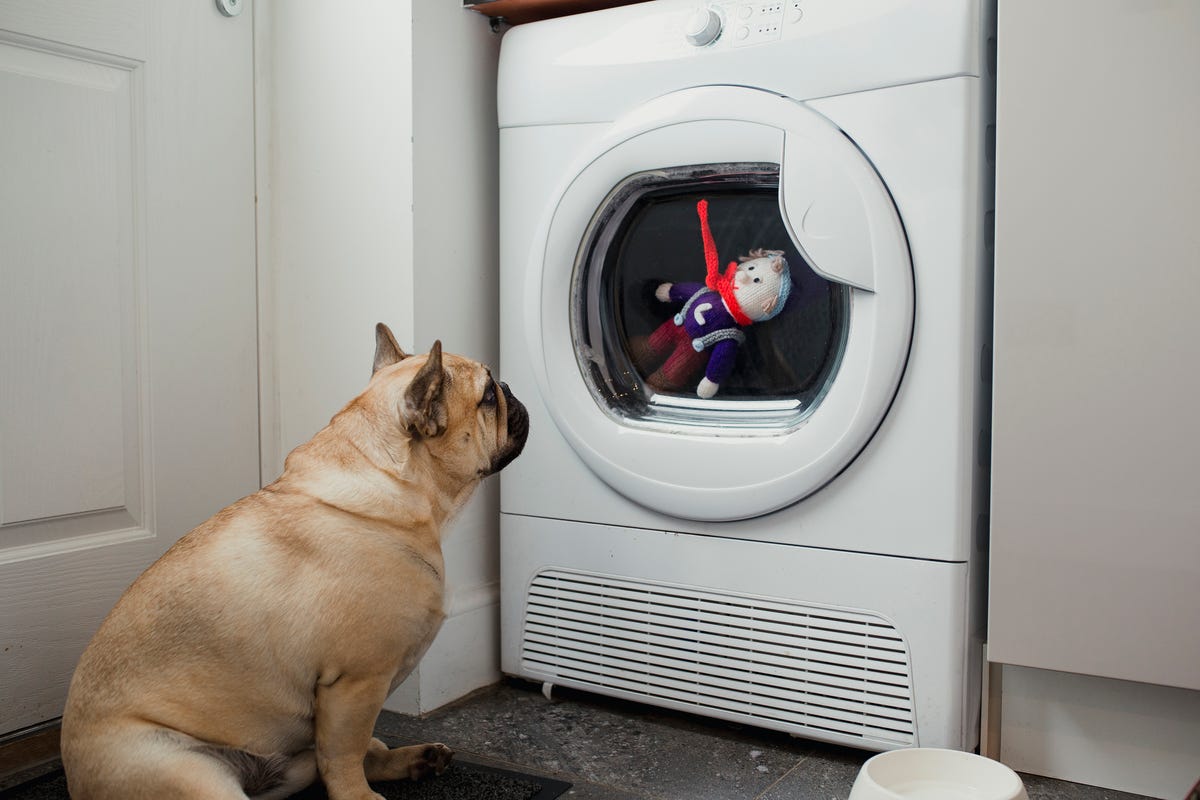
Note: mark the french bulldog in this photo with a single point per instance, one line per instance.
(256, 654)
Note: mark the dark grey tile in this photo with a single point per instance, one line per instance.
(578, 790)
(826, 774)
(1039, 788)
(590, 791)
(626, 746)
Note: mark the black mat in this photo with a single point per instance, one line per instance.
(462, 780)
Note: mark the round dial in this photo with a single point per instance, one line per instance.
(703, 27)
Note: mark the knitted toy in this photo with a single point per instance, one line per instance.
(706, 332)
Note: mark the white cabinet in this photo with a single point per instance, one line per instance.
(1095, 550)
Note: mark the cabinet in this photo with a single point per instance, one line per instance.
(1095, 549)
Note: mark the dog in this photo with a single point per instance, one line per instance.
(256, 654)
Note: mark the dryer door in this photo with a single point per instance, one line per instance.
(658, 388)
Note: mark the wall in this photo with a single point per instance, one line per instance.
(377, 181)
(456, 276)
(334, 144)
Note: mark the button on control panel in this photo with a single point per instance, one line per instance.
(759, 22)
(739, 23)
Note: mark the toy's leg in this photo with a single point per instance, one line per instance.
(650, 351)
(680, 368)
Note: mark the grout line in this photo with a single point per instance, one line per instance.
(804, 758)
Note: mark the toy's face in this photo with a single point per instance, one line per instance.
(760, 284)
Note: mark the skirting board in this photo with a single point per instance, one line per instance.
(1133, 737)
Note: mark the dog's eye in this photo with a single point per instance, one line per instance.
(489, 395)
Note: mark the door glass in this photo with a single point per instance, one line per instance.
(691, 305)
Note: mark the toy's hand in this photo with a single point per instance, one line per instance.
(707, 388)
(663, 292)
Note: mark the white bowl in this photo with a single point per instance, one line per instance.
(924, 773)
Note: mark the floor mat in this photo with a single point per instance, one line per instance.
(463, 780)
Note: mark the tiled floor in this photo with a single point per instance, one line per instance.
(613, 750)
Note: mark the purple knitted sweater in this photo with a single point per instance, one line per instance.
(708, 315)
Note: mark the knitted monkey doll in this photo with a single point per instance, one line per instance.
(706, 332)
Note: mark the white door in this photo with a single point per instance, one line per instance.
(128, 352)
(812, 384)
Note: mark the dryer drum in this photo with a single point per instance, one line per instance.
(646, 233)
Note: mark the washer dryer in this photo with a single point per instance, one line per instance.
(802, 549)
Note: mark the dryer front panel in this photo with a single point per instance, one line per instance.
(722, 304)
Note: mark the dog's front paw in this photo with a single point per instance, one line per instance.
(432, 760)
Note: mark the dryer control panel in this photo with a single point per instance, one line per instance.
(763, 22)
(739, 24)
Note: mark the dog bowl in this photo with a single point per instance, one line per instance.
(924, 773)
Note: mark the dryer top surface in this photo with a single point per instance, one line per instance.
(595, 67)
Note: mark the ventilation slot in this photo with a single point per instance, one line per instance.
(780, 664)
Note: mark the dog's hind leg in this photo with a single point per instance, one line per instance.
(413, 762)
(268, 777)
(143, 762)
(300, 772)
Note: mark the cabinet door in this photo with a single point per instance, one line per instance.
(1096, 459)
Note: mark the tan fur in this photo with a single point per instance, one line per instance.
(259, 649)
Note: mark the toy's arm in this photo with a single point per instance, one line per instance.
(676, 292)
(706, 389)
(720, 365)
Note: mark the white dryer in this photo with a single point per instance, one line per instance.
(801, 550)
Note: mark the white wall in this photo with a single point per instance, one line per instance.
(377, 180)
(456, 276)
(334, 131)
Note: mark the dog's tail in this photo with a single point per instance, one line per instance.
(257, 774)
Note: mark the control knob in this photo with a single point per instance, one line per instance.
(703, 27)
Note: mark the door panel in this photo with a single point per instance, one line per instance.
(128, 369)
(77, 419)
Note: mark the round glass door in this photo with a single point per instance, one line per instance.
(645, 257)
(720, 304)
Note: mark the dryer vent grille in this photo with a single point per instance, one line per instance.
(825, 673)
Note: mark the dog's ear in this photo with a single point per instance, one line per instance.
(424, 407)
(387, 352)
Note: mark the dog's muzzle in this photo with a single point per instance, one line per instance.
(518, 431)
